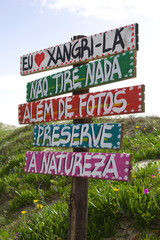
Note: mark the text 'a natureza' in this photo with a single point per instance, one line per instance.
(82, 50)
(107, 135)
(103, 71)
(109, 166)
(113, 102)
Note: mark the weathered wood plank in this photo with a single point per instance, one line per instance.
(109, 166)
(107, 136)
(103, 71)
(81, 50)
(112, 102)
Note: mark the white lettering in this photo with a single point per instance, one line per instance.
(48, 108)
(90, 109)
(60, 157)
(99, 72)
(67, 80)
(105, 136)
(60, 105)
(33, 90)
(81, 104)
(77, 164)
(67, 171)
(32, 163)
(99, 96)
(61, 84)
(39, 89)
(75, 77)
(107, 69)
(45, 163)
(87, 165)
(74, 135)
(115, 68)
(113, 169)
(84, 133)
(39, 112)
(39, 133)
(96, 139)
(108, 108)
(90, 74)
(46, 136)
(95, 171)
(63, 134)
(55, 136)
(122, 102)
(68, 107)
(45, 87)
(52, 165)
(26, 114)
(56, 76)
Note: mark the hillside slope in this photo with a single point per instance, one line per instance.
(18, 190)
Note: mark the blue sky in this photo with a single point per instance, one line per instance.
(30, 25)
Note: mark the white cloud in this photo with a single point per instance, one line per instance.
(10, 82)
(105, 9)
(11, 94)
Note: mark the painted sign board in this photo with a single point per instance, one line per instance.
(82, 50)
(112, 102)
(107, 135)
(103, 71)
(109, 166)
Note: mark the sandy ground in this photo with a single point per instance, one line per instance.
(144, 163)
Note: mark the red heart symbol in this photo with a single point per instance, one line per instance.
(39, 58)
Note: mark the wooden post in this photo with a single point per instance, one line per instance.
(78, 207)
(116, 41)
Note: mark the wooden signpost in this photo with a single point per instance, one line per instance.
(113, 102)
(109, 166)
(105, 135)
(119, 46)
(103, 71)
(81, 50)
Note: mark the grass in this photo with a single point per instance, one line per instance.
(109, 202)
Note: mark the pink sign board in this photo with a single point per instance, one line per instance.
(109, 166)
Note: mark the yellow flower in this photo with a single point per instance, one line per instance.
(134, 176)
(137, 126)
(35, 201)
(52, 181)
(144, 128)
(62, 195)
(115, 189)
(23, 212)
(39, 206)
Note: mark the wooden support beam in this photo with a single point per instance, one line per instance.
(78, 207)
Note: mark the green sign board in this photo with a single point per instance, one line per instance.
(103, 71)
(105, 135)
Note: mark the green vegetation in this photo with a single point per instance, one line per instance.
(35, 206)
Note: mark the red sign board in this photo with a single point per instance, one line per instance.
(108, 166)
(113, 102)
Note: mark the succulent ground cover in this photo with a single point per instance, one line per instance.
(35, 206)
